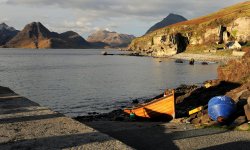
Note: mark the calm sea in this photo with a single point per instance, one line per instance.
(76, 82)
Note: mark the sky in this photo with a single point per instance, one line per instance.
(86, 16)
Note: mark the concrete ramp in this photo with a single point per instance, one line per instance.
(26, 125)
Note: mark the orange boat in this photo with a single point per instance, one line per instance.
(164, 106)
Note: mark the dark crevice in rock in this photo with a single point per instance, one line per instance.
(182, 42)
(222, 30)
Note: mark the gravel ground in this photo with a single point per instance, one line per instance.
(158, 135)
(204, 57)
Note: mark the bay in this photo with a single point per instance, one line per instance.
(76, 82)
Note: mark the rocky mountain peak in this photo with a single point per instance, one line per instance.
(4, 26)
(36, 35)
(36, 29)
(169, 20)
(111, 38)
(6, 33)
(175, 16)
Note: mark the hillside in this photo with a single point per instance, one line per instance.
(169, 20)
(6, 33)
(36, 35)
(113, 39)
(228, 24)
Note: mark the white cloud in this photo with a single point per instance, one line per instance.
(86, 15)
(98, 9)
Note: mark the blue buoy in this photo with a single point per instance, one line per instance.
(220, 108)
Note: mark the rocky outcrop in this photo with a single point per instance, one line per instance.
(113, 39)
(6, 33)
(169, 20)
(35, 35)
(236, 70)
(229, 24)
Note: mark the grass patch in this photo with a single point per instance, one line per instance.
(199, 49)
(227, 52)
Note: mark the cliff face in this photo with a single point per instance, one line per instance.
(169, 20)
(113, 39)
(229, 24)
(35, 35)
(6, 33)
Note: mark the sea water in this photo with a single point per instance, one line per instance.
(78, 82)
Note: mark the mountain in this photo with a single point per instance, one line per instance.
(6, 33)
(207, 32)
(113, 39)
(36, 35)
(169, 20)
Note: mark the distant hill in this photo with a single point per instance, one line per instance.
(113, 39)
(194, 36)
(6, 33)
(36, 35)
(169, 20)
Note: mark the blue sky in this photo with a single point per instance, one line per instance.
(86, 16)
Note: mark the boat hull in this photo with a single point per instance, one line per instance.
(164, 106)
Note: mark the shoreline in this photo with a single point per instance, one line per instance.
(25, 124)
(204, 57)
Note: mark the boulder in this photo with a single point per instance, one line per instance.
(247, 111)
(244, 127)
(240, 120)
(233, 45)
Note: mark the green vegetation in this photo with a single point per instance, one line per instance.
(227, 52)
(234, 33)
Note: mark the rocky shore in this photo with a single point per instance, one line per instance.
(233, 84)
(197, 131)
(204, 57)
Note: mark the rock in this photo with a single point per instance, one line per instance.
(205, 119)
(196, 121)
(211, 123)
(245, 95)
(247, 111)
(191, 62)
(240, 120)
(244, 127)
(199, 114)
(228, 72)
(179, 61)
(104, 53)
(135, 101)
(233, 45)
(204, 63)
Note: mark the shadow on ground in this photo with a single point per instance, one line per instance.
(54, 142)
(241, 145)
(150, 135)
